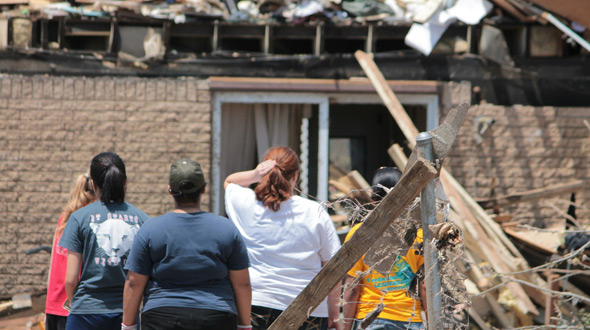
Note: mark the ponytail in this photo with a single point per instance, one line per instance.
(108, 173)
(275, 187)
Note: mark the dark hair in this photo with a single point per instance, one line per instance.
(387, 177)
(191, 198)
(107, 170)
(274, 187)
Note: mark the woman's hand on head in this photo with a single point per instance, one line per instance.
(263, 168)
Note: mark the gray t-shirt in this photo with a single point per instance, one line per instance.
(103, 234)
(188, 257)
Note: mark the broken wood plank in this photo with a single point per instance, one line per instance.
(362, 186)
(528, 241)
(483, 284)
(388, 97)
(477, 305)
(5, 305)
(512, 10)
(409, 186)
(353, 184)
(532, 195)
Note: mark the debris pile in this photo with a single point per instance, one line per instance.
(427, 19)
(506, 289)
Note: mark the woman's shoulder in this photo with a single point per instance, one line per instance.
(235, 193)
(237, 189)
(135, 209)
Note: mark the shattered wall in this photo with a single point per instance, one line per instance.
(525, 148)
(51, 127)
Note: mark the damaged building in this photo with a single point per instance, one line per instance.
(221, 81)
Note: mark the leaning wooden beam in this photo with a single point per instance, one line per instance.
(532, 195)
(499, 261)
(409, 186)
(388, 97)
(495, 233)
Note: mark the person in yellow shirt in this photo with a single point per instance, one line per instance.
(400, 311)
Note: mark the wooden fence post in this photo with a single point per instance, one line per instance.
(409, 186)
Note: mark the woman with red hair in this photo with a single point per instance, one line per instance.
(289, 238)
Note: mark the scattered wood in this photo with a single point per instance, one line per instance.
(508, 7)
(496, 254)
(409, 186)
(532, 195)
(489, 239)
(354, 184)
(538, 244)
(479, 305)
(5, 305)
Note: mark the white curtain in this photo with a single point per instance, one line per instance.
(248, 130)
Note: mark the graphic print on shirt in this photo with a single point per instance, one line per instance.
(399, 278)
(115, 237)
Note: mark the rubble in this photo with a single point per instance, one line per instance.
(427, 20)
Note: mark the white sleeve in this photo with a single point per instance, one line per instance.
(236, 198)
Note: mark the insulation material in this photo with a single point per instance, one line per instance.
(423, 37)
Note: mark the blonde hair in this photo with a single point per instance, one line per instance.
(80, 196)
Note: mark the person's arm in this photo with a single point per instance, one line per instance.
(240, 282)
(423, 299)
(132, 293)
(246, 178)
(352, 292)
(72, 279)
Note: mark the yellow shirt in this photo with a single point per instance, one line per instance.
(391, 289)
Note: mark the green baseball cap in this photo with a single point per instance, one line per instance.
(186, 170)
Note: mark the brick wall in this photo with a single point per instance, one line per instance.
(51, 127)
(526, 148)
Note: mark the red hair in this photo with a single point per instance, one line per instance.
(275, 187)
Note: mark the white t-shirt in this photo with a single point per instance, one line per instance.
(286, 248)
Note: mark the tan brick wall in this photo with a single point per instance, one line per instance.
(51, 127)
(526, 148)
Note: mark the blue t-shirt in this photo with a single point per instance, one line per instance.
(103, 234)
(188, 257)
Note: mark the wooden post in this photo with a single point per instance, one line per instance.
(409, 186)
